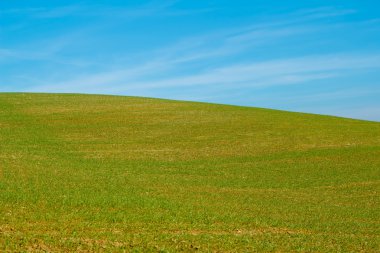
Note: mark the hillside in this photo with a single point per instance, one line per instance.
(91, 173)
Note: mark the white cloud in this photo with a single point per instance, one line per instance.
(257, 74)
(271, 72)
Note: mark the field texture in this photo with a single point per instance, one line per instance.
(107, 173)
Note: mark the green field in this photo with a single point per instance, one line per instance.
(109, 173)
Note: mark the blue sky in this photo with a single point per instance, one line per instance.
(310, 56)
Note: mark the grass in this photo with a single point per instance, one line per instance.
(107, 173)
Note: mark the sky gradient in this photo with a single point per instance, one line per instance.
(308, 56)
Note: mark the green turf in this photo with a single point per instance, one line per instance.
(108, 173)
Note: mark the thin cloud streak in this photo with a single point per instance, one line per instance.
(259, 74)
(192, 50)
(183, 53)
(270, 73)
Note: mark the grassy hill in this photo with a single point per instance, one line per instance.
(107, 173)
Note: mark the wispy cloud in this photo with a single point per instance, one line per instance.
(258, 74)
(219, 44)
(162, 68)
(271, 73)
(235, 40)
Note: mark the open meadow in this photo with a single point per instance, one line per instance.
(112, 173)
